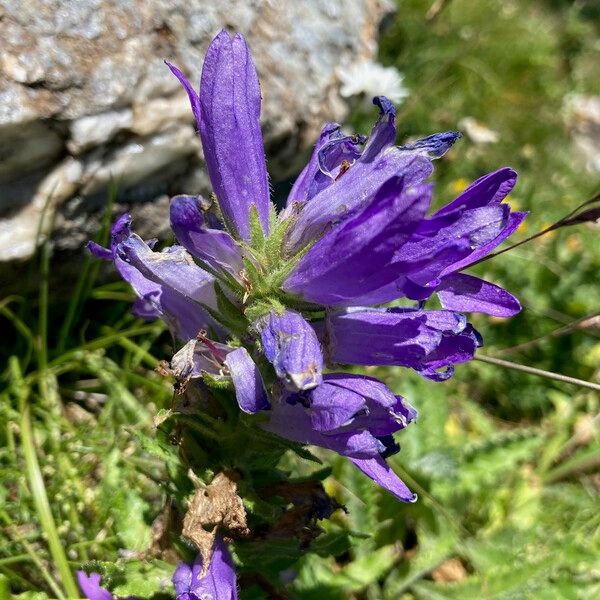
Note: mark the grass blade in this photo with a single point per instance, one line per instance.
(38, 488)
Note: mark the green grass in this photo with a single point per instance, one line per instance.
(505, 464)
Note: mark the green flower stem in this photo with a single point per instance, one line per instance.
(21, 327)
(88, 543)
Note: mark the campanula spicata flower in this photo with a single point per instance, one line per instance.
(268, 301)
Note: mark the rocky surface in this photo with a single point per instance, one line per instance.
(85, 100)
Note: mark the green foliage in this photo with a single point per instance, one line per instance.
(490, 522)
(257, 235)
(74, 484)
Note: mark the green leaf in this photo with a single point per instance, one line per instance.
(128, 510)
(145, 579)
(156, 444)
(583, 459)
(273, 246)
(257, 234)
(433, 549)
(229, 313)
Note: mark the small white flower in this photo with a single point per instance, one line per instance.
(582, 116)
(477, 131)
(372, 79)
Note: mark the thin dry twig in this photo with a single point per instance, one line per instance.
(539, 372)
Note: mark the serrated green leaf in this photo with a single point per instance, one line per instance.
(369, 568)
(583, 459)
(433, 549)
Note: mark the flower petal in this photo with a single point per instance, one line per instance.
(213, 246)
(90, 586)
(168, 284)
(379, 471)
(230, 131)
(182, 315)
(433, 146)
(299, 191)
(292, 421)
(291, 346)
(465, 293)
(350, 260)
(514, 220)
(218, 583)
(452, 349)
(354, 190)
(247, 381)
(357, 402)
(440, 242)
(189, 88)
(489, 189)
(334, 159)
(182, 581)
(383, 134)
(173, 267)
(332, 406)
(144, 308)
(420, 339)
(99, 251)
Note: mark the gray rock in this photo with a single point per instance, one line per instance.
(85, 99)
(96, 130)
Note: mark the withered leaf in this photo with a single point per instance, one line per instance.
(216, 505)
(309, 503)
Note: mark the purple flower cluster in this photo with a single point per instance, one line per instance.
(304, 289)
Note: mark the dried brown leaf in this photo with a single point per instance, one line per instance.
(216, 505)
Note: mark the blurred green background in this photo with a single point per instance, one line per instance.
(507, 465)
